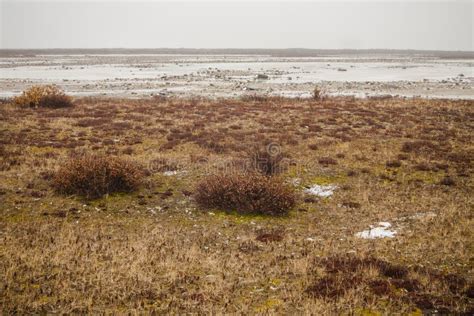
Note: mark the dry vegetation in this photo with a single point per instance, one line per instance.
(155, 248)
(245, 193)
(92, 176)
(47, 96)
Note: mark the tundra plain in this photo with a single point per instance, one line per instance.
(402, 165)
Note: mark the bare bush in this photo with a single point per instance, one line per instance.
(95, 175)
(245, 193)
(317, 94)
(268, 160)
(48, 96)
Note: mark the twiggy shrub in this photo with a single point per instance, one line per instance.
(43, 96)
(92, 176)
(245, 193)
(268, 160)
(317, 94)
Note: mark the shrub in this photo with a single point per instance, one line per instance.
(43, 96)
(317, 94)
(315, 128)
(393, 164)
(5, 101)
(326, 161)
(268, 160)
(447, 181)
(245, 193)
(55, 101)
(423, 166)
(313, 146)
(95, 175)
(272, 235)
(162, 164)
(418, 146)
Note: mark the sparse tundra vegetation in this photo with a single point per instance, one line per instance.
(251, 205)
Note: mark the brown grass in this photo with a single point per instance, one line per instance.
(376, 277)
(158, 251)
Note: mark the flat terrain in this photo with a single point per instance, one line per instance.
(235, 73)
(406, 162)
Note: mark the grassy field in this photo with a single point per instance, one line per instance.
(408, 162)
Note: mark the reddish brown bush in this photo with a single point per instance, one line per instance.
(326, 161)
(162, 164)
(245, 193)
(315, 128)
(272, 235)
(393, 164)
(55, 101)
(449, 181)
(313, 146)
(268, 160)
(95, 175)
(423, 166)
(418, 146)
(402, 156)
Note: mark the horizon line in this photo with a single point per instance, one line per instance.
(237, 49)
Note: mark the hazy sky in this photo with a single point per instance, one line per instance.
(438, 25)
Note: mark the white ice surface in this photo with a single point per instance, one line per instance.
(170, 173)
(381, 231)
(321, 190)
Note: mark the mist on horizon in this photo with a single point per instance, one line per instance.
(421, 25)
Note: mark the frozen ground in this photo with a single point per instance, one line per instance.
(381, 231)
(235, 75)
(321, 190)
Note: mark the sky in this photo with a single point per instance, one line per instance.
(409, 24)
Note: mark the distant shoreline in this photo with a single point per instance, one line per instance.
(290, 52)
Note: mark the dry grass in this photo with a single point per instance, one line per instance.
(375, 278)
(405, 161)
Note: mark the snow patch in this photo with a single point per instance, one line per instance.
(381, 231)
(170, 173)
(321, 190)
